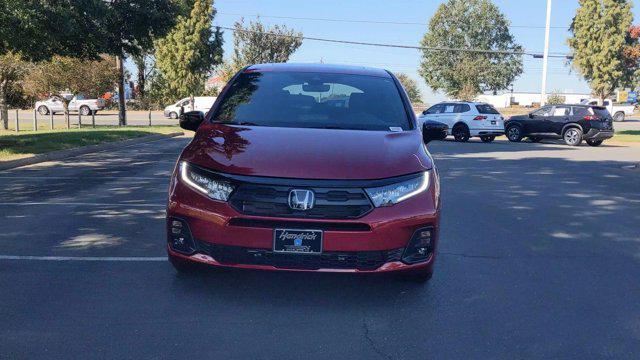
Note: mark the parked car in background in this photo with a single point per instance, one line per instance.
(618, 112)
(78, 103)
(467, 119)
(201, 103)
(572, 123)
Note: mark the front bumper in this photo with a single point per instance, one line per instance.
(373, 243)
(598, 134)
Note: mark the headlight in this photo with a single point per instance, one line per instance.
(395, 193)
(205, 182)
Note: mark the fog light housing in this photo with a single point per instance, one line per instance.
(420, 246)
(179, 236)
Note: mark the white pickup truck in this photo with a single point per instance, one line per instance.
(618, 112)
(78, 103)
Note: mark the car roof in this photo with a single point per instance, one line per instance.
(321, 68)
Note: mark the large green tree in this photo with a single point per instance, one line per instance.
(411, 87)
(600, 35)
(187, 55)
(254, 43)
(449, 65)
(68, 75)
(12, 72)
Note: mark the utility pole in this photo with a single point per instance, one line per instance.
(545, 58)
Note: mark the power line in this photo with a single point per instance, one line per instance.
(380, 22)
(424, 48)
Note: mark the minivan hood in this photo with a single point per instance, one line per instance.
(307, 153)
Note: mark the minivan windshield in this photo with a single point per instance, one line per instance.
(313, 100)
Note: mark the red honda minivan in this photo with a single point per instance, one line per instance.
(307, 167)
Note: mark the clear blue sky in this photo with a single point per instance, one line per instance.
(529, 13)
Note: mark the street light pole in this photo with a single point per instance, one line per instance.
(545, 59)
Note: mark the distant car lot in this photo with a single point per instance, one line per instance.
(89, 276)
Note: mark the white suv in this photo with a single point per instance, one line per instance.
(467, 119)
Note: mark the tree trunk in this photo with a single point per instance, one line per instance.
(65, 107)
(122, 113)
(142, 68)
(4, 111)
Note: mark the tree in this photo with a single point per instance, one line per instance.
(631, 54)
(411, 87)
(466, 25)
(556, 98)
(65, 75)
(600, 35)
(12, 72)
(186, 56)
(253, 44)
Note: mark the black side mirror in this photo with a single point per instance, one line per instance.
(191, 120)
(433, 130)
(531, 115)
(424, 112)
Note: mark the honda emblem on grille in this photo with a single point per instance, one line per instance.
(301, 199)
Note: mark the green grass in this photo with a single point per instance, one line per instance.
(627, 136)
(23, 144)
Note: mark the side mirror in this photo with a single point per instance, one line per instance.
(433, 130)
(531, 115)
(191, 120)
(424, 112)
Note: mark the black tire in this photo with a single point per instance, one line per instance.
(572, 136)
(619, 116)
(183, 266)
(460, 133)
(535, 139)
(43, 110)
(514, 133)
(595, 142)
(173, 115)
(85, 110)
(487, 138)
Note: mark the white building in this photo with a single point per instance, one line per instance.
(526, 99)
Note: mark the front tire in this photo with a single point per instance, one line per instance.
(514, 133)
(619, 116)
(43, 110)
(460, 133)
(85, 111)
(572, 136)
(173, 115)
(487, 139)
(594, 142)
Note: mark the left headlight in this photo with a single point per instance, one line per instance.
(205, 182)
(395, 193)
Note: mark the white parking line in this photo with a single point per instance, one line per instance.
(26, 203)
(82, 258)
(85, 177)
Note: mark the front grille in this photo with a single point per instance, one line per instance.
(360, 260)
(272, 200)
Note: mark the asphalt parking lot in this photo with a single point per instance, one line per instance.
(539, 258)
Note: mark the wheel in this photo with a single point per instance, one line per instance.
(572, 136)
(85, 111)
(535, 139)
(173, 115)
(594, 142)
(514, 133)
(183, 266)
(487, 139)
(419, 276)
(43, 110)
(461, 133)
(619, 116)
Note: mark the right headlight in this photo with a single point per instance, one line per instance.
(395, 193)
(205, 182)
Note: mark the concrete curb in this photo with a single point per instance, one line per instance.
(62, 154)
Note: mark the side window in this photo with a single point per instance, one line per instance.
(561, 111)
(448, 108)
(580, 111)
(606, 103)
(543, 112)
(461, 108)
(435, 109)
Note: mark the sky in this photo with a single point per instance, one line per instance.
(529, 13)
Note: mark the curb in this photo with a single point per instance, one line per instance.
(62, 154)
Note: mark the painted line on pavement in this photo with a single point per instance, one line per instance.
(78, 204)
(86, 177)
(83, 258)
